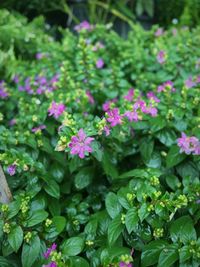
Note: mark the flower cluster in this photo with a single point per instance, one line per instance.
(39, 85)
(161, 57)
(189, 145)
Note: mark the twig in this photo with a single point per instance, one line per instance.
(5, 193)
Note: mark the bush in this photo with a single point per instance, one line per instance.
(99, 141)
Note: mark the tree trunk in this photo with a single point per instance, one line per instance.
(5, 194)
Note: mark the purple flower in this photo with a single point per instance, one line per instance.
(39, 56)
(49, 250)
(83, 25)
(198, 79)
(174, 31)
(106, 130)
(130, 95)
(161, 57)
(159, 32)
(3, 93)
(100, 63)
(198, 201)
(189, 145)
(90, 97)
(11, 169)
(131, 115)
(16, 79)
(167, 86)
(107, 105)
(80, 144)
(114, 117)
(39, 128)
(12, 122)
(56, 109)
(124, 264)
(51, 264)
(189, 82)
(151, 96)
(152, 111)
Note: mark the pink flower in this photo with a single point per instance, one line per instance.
(198, 79)
(39, 56)
(100, 63)
(114, 117)
(12, 122)
(51, 264)
(90, 97)
(131, 115)
(80, 144)
(152, 111)
(167, 86)
(129, 96)
(107, 105)
(151, 96)
(84, 25)
(106, 130)
(159, 32)
(39, 128)
(189, 82)
(11, 169)
(161, 57)
(49, 250)
(124, 264)
(3, 93)
(56, 109)
(189, 145)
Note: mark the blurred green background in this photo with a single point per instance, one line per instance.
(122, 13)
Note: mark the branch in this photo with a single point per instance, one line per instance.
(5, 194)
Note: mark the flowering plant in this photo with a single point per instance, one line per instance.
(100, 144)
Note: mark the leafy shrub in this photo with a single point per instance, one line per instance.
(99, 141)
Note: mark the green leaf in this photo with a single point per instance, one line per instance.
(4, 262)
(131, 220)
(134, 173)
(172, 181)
(112, 205)
(108, 166)
(78, 261)
(146, 148)
(174, 157)
(36, 217)
(53, 189)
(152, 251)
(30, 252)
(114, 230)
(183, 229)
(167, 137)
(59, 222)
(15, 237)
(142, 212)
(184, 254)
(72, 246)
(168, 256)
(84, 177)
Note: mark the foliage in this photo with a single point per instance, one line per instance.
(99, 182)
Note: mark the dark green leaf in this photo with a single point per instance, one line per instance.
(73, 246)
(131, 220)
(36, 217)
(15, 237)
(168, 256)
(152, 251)
(52, 188)
(174, 157)
(114, 230)
(30, 252)
(112, 205)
